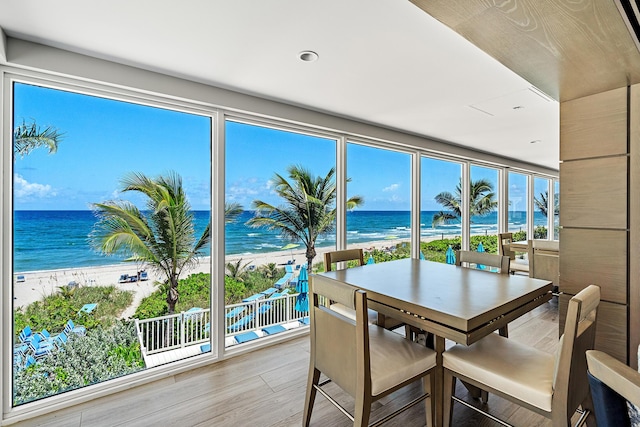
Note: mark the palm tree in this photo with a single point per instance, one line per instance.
(308, 210)
(542, 203)
(163, 237)
(232, 211)
(482, 201)
(28, 137)
(236, 270)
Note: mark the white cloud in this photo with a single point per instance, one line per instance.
(22, 189)
(392, 187)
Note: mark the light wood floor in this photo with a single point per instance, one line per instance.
(266, 388)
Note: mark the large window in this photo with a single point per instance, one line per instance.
(518, 205)
(280, 196)
(92, 236)
(541, 203)
(381, 225)
(483, 209)
(440, 211)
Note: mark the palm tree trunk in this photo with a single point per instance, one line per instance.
(311, 254)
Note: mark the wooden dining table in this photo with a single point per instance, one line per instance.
(455, 303)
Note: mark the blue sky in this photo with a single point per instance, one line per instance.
(106, 139)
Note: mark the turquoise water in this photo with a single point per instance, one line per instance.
(45, 240)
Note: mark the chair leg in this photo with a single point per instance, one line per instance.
(429, 402)
(314, 379)
(504, 331)
(362, 411)
(447, 404)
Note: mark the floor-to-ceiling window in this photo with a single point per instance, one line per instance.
(541, 200)
(440, 211)
(518, 202)
(381, 224)
(280, 210)
(483, 208)
(103, 192)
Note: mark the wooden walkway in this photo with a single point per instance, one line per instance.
(266, 388)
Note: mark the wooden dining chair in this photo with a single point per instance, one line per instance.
(469, 258)
(504, 242)
(343, 256)
(613, 385)
(367, 361)
(544, 261)
(335, 257)
(474, 258)
(551, 385)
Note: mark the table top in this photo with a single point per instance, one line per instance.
(454, 301)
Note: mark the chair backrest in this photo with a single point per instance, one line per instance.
(337, 342)
(570, 382)
(504, 240)
(341, 256)
(492, 260)
(544, 260)
(612, 384)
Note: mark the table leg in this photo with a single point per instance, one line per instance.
(438, 393)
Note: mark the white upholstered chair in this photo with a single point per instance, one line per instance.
(554, 386)
(366, 361)
(504, 242)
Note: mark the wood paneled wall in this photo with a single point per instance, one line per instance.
(600, 212)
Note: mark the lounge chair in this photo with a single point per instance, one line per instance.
(270, 330)
(249, 336)
(60, 340)
(70, 328)
(242, 324)
(26, 334)
(234, 312)
(87, 308)
(30, 360)
(40, 347)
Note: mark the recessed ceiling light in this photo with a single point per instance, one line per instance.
(518, 107)
(308, 56)
(535, 141)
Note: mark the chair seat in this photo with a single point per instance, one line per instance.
(351, 314)
(519, 266)
(505, 365)
(395, 359)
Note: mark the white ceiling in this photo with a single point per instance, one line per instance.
(380, 61)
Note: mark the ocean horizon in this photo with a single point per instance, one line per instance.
(49, 240)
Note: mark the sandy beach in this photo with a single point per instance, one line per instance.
(38, 284)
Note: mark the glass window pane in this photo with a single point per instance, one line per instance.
(88, 251)
(483, 205)
(381, 225)
(271, 237)
(440, 227)
(518, 206)
(541, 207)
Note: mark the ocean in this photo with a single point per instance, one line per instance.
(47, 240)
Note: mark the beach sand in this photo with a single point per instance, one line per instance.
(38, 284)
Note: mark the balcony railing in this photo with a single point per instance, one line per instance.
(193, 327)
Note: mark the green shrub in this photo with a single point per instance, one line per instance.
(103, 354)
(54, 310)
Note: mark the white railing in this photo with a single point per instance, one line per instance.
(175, 331)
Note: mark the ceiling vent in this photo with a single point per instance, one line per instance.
(630, 12)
